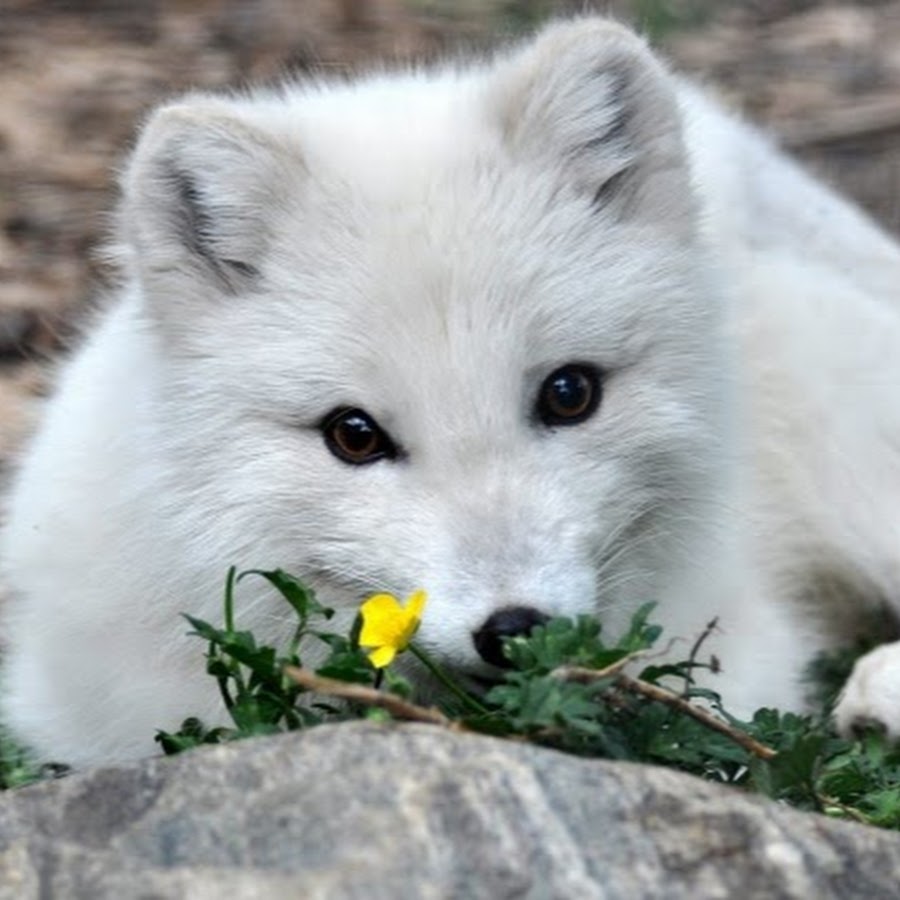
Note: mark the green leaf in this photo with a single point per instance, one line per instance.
(204, 629)
(301, 598)
(640, 634)
(346, 662)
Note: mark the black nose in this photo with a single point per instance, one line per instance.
(507, 622)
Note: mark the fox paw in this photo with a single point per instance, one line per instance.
(870, 699)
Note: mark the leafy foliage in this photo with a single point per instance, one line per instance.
(814, 769)
(565, 689)
(258, 696)
(17, 768)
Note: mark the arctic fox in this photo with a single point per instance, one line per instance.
(543, 334)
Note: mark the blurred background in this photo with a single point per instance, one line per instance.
(76, 78)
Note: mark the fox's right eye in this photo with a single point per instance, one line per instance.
(569, 395)
(354, 437)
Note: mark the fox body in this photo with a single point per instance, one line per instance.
(545, 334)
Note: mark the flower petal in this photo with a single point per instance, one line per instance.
(388, 626)
(416, 603)
(382, 657)
(379, 615)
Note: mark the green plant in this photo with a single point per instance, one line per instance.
(257, 694)
(568, 687)
(16, 767)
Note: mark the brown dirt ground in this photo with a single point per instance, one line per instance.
(76, 76)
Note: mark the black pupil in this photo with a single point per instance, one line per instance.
(357, 435)
(570, 391)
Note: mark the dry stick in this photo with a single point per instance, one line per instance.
(695, 650)
(584, 675)
(395, 705)
(669, 698)
(403, 709)
(655, 692)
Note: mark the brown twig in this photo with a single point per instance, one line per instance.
(586, 676)
(663, 695)
(583, 675)
(396, 706)
(695, 649)
(403, 709)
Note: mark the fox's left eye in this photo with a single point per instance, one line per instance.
(354, 437)
(569, 395)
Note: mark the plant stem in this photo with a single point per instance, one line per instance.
(227, 699)
(229, 599)
(467, 699)
(695, 650)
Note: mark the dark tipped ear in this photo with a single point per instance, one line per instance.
(201, 193)
(588, 98)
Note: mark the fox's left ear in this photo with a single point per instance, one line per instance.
(589, 99)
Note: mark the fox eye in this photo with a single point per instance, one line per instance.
(569, 395)
(354, 437)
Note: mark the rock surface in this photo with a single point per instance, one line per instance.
(374, 812)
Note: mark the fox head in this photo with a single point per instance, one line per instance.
(451, 330)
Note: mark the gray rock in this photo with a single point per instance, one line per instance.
(415, 812)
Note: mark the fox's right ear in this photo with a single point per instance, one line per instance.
(201, 192)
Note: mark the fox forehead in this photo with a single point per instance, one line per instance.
(394, 314)
(382, 134)
(480, 249)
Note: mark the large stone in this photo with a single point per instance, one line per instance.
(374, 812)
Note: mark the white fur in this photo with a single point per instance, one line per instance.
(424, 247)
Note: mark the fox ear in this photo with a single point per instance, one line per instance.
(200, 194)
(588, 98)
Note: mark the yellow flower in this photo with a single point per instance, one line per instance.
(388, 627)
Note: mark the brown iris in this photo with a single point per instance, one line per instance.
(569, 395)
(354, 437)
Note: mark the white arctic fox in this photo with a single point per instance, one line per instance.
(545, 334)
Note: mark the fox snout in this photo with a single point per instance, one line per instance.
(507, 622)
